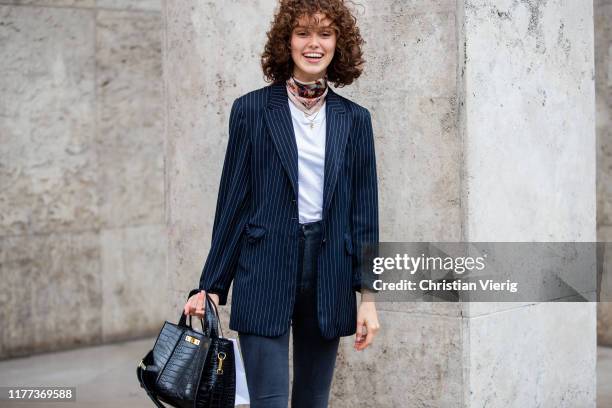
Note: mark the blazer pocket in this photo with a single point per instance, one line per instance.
(348, 243)
(254, 232)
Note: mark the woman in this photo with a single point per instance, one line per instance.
(297, 203)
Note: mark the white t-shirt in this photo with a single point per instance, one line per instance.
(311, 162)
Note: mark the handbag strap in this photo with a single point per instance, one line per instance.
(140, 372)
(213, 318)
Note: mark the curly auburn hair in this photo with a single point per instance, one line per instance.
(347, 63)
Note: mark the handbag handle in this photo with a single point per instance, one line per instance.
(212, 317)
(210, 325)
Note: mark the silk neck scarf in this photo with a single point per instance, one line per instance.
(307, 96)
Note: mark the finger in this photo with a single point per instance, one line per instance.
(188, 307)
(361, 343)
(192, 305)
(198, 302)
(202, 308)
(358, 334)
(364, 332)
(369, 338)
(360, 337)
(360, 346)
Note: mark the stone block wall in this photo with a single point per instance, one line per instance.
(445, 81)
(91, 188)
(603, 84)
(82, 228)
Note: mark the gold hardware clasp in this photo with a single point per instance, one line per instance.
(192, 340)
(221, 356)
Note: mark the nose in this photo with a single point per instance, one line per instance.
(313, 44)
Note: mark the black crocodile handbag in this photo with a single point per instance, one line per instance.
(189, 369)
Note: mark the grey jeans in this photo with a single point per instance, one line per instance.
(266, 359)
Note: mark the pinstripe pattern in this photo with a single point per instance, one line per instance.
(255, 231)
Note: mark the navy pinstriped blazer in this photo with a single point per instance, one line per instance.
(255, 230)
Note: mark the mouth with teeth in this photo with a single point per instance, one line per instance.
(313, 57)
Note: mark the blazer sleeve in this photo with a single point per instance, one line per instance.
(364, 205)
(231, 211)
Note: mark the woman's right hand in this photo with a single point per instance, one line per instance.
(196, 305)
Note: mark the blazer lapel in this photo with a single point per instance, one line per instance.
(336, 135)
(278, 120)
(280, 125)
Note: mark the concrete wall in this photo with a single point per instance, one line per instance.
(529, 175)
(82, 229)
(603, 82)
(480, 111)
(410, 88)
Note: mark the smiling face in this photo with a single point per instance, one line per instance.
(312, 47)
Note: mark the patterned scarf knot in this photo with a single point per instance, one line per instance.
(307, 96)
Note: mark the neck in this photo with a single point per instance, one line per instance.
(305, 79)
